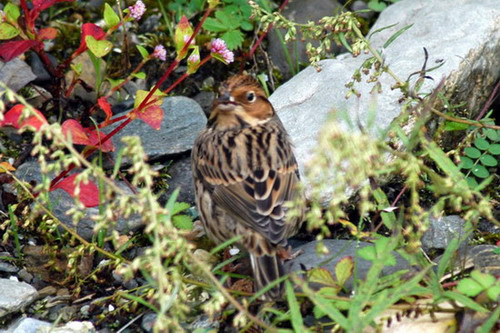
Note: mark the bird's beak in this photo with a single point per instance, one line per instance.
(224, 98)
(224, 102)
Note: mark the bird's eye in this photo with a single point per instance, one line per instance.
(251, 96)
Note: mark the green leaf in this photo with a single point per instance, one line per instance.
(469, 287)
(480, 171)
(297, 323)
(481, 143)
(344, 42)
(139, 75)
(12, 11)
(454, 126)
(230, 20)
(445, 163)
(445, 261)
(368, 253)
(465, 163)
(485, 280)
(183, 222)
(472, 152)
(98, 47)
(116, 82)
(491, 134)
(493, 293)
(8, 31)
(494, 149)
(377, 6)
(179, 207)
(343, 270)
(214, 25)
(142, 50)
(395, 35)
(472, 182)
(488, 160)
(246, 25)
(110, 17)
(322, 276)
(233, 38)
(488, 325)
(466, 301)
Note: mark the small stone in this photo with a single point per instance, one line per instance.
(63, 292)
(148, 321)
(181, 177)
(8, 268)
(15, 74)
(25, 276)
(47, 291)
(71, 327)
(442, 231)
(26, 325)
(15, 296)
(85, 310)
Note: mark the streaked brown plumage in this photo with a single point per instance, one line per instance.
(244, 171)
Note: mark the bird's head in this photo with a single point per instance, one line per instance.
(241, 102)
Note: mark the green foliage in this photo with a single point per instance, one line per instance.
(185, 7)
(230, 22)
(481, 157)
(379, 5)
(478, 283)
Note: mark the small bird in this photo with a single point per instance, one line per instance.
(244, 171)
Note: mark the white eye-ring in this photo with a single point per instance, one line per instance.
(251, 96)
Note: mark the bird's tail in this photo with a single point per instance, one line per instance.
(267, 269)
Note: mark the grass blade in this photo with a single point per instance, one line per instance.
(396, 35)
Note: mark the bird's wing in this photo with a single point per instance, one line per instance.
(253, 196)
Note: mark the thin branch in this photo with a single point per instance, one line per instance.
(464, 121)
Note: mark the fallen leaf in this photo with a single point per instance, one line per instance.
(11, 118)
(89, 193)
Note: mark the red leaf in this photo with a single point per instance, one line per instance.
(78, 133)
(11, 118)
(89, 29)
(106, 107)
(85, 136)
(47, 33)
(10, 50)
(89, 193)
(96, 136)
(41, 5)
(151, 115)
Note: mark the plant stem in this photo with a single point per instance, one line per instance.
(464, 121)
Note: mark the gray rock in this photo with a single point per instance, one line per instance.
(183, 119)
(442, 230)
(25, 276)
(71, 327)
(301, 12)
(26, 325)
(205, 99)
(61, 202)
(148, 321)
(485, 259)
(38, 67)
(15, 296)
(469, 48)
(338, 249)
(181, 177)
(203, 323)
(5, 267)
(15, 74)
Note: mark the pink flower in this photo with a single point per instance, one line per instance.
(194, 58)
(2, 16)
(160, 52)
(137, 10)
(186, 39)
(219, 46)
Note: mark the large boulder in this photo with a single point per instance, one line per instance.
(468, 49)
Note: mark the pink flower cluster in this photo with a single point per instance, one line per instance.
(219, 46)
(194, 58)
(160, 53)
(137, 10)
